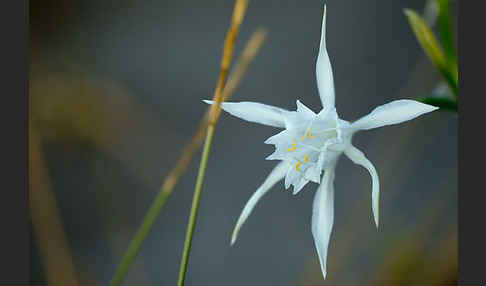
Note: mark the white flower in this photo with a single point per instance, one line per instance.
(311, 143)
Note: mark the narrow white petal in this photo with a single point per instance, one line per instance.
(287, 182)
(359, 158)
(323, 216)
(255, 112)
(394, 112)
(276, 175)
(325, 81)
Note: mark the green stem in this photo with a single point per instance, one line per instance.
(139, 237)
(195, 205)
(153, 213)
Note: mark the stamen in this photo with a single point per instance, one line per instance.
(294, 145)
(300, 163)
(297, 166)
(309, 134)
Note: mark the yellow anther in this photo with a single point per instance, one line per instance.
(300, 163)
(309, 135)
(303, 137)
(297, 166)
(294, 145)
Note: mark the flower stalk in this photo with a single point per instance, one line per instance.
(195, 205)
(250, 51)
(238, 14)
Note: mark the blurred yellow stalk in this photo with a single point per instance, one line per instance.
(249, 53)
(251, 49)
(238, 14)
(195, 142)
(44, 213)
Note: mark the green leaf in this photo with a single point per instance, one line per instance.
(442, 103)
(446, 32)
(432, 48)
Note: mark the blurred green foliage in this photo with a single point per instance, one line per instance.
(444, 58)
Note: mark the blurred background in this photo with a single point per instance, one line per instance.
(115, 93)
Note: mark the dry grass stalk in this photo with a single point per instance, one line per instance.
(46, 222)
(206, 127)
(234, 79)
(229, 44)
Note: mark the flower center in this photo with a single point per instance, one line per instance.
(306, 151)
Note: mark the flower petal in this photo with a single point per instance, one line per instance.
(359, 158)
(277, 138)
(323, 216)
(276, 175)
(394, 112)
(255, 112)
(304, 109)
(313, 174)
(325, 81)
(299, 186)
(292, 177)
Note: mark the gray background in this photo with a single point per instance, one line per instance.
(164, 57)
